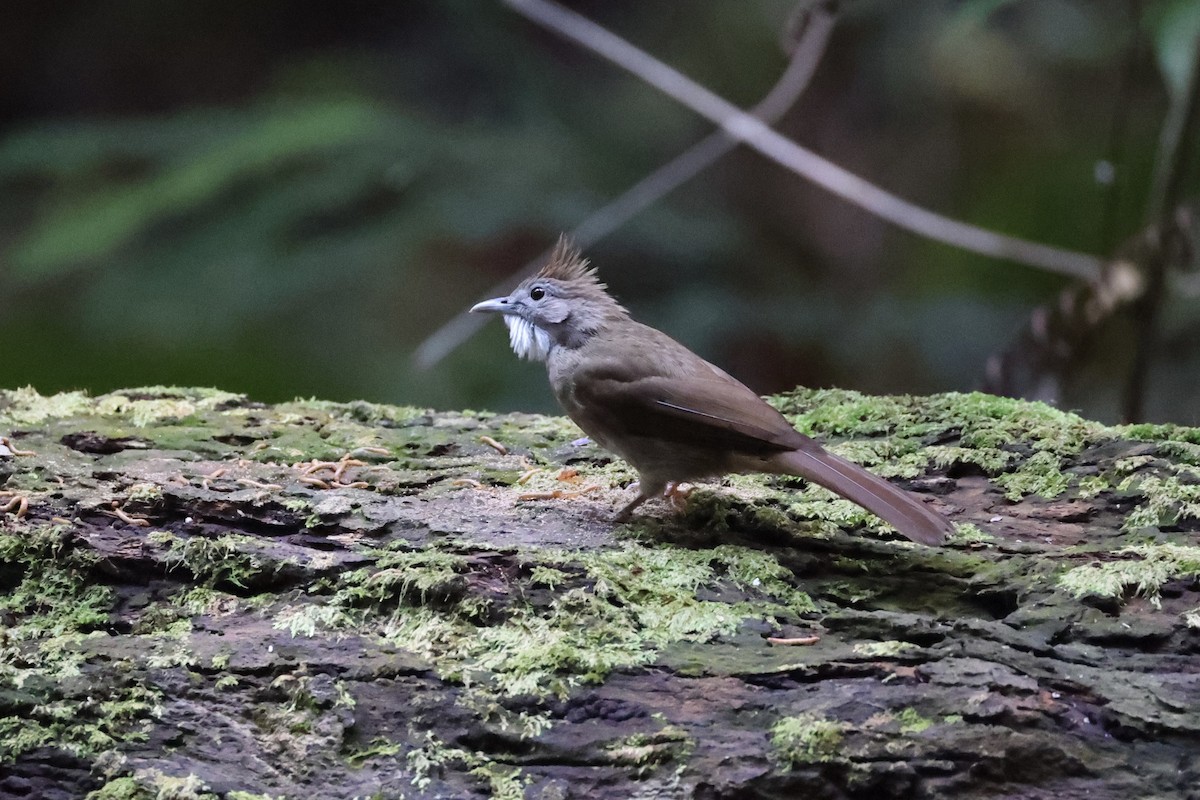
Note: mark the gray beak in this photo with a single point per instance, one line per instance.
(500, 305)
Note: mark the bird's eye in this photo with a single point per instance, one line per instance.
(537, 293)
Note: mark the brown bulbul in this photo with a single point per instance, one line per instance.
(671, 414)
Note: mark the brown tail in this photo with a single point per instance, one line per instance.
(890, 503)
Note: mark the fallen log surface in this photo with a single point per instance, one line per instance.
(204, 596)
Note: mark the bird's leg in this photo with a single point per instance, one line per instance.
(628, 510)
(646, 490)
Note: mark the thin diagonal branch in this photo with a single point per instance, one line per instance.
(806, 54)
(756, 134)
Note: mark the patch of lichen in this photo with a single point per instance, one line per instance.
(55, 605)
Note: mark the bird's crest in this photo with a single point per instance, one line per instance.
(566, 263)
(570, 268)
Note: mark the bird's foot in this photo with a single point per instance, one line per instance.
(676, 495)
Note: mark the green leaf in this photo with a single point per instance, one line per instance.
(1176, 44)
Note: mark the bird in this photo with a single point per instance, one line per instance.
(673, 416)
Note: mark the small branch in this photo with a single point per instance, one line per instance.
(756, 134)
(806, 54)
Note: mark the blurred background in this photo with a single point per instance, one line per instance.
(286, 199)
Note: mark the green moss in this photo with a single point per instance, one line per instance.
(144, 493)
(55, 596)
(1154, 565)
(1168, 501)
(645, 751)
(204, 600)
(69, 718)
(27, 407)
(55, 606)
(143, 411)
(971, 428)
(504, 782)
(1156, 432)
(123, 788)
(430, 756)
(981, 420)
(141, 407)
(911, 721)
(1181, 452)
(969, 533)
(580, 639)
(378, 747)
(172, 787)
(1041, 474)
(412, 575)
(805, 738)
(234, 558)
(990, 459)
(634, 600)
(548, 576)
(886, 649)
(360, 411)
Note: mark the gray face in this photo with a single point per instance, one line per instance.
(534, 313)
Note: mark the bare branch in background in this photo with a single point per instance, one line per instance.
(1177, 140)
(815, 27)
(756, 134)
(1038, 362)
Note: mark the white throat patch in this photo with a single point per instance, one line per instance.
(527, 340)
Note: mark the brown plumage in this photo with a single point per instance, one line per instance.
(672, 415)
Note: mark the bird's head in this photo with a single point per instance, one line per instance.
(562, 306)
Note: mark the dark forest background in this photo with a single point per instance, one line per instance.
(286, 198)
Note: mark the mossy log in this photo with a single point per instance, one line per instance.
(205, 596)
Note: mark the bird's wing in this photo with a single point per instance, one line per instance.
(705, 407)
